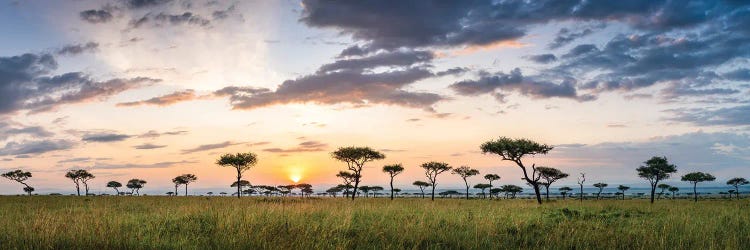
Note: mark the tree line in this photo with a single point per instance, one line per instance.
(654, 170)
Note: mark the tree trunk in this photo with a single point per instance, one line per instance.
(356, 184)
(490, 190)
(653, 192)
(239, 185)
(467, 188)
(581, 193)
(391, 187)
(86, 187)
(546, 194)
(536, 191)
(78, 189)
(695, 191)
(186, 194)
(736, 192)
(433, 191)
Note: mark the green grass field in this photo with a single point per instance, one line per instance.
(49, 222)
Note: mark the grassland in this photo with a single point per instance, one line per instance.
(324, 223)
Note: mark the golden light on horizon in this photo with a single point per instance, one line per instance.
(295, 178)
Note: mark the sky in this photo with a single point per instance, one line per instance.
(152, 89)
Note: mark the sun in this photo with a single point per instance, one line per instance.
(295, 178)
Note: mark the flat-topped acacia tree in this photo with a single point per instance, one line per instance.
(655, 170)
(514, 150)
(19, 176)
(177, 181)
(432, 170)
(465, 172)
(491, 178)
(421, 185)
(600, 186)
(674, 191)
(736, 183)
(622, 190)
(347, 178)
(80, 176)
(355, 158)
(392, 171)
(482, 186)
(115, 185)
(564, 191)
(695, 178)
(550, 175)
(187, 179)
(240, 162)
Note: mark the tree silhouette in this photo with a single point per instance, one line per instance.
(432, 170)
(375, 189)
(655, 170)
(334, 190)
(240, 162)
(80, 176)
(622, 190)
(695, 178)
(186, 180)
(365, 189)
(674, 191)
(397, 190)
(564, 191)
(170, 193)
(581, 180)
(21, 177)
(731, 192)
(348, 178)
(135, 186)
(421, 185)
(222, 193)
(496, 192)
(514, 150)
(601, 187)
(465, 172)
(736, 183)
(392, 171)
(355, 158)
(177, 182)
(114, 185)
(482, 186)
(491, 178)
(550, 175)
(511, 189)
(210, 193)
(304, 188)
(240, 185)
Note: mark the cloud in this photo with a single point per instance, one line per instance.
(543, 58)
(138, 4)
(207, 147)
(165, 100)
(35, 147)
(96, 16)
(75, 49)
(516, 82)
(742, 74)
(729, 116)
(26, 83)
(165, 164)
(7, 131)
(79, 159)
(148, 146)
(105, 137)
(186, 18)
(307, 146)
(155, 134)
(565, 36)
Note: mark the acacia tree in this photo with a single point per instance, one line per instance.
(135, 186)
(655, 170)
(622, 190)
(514, 150)
(355, 158)
(465, 172)
(495, 192)
(421, 185)
(240, 185)
(186, 180)
(80, 176)
(347, 178)
(674, 191)
(365, 189)
(482, 186)
(736, 183)
(581, 180)
(304, 188)
(511, 189)
(240, 162)
(695, 178)
(491, 178)
(601, 187)
(392, 171)
(177, 182)
(432, 170)
(550, 175)
(114, 185)
(564, 191)
(21, 177)
(334, 190)
(661, 188)
(375, 189)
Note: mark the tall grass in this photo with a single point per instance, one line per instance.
(314, 223)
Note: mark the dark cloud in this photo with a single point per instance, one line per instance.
(543, 58)
(207, 147)
(148, 146)
(516, 82)
(155, 134)
(96, 16)
(165, 100)
(742, 74)
(79, 159)
(171, 19)
(105, 137)
(565, 35)
(75, 49)
(26, 83)
(307, 146)
(399, 58)
(35, 147)
(33, 131)
(138, 4)
(729, 116)
(223, 14)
